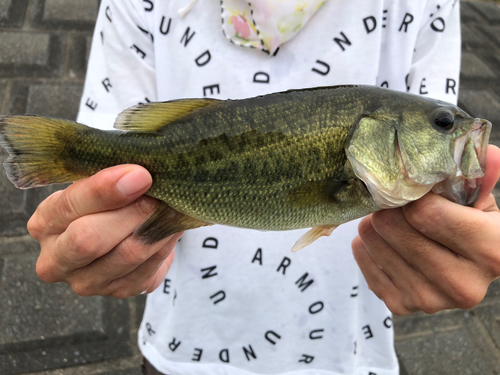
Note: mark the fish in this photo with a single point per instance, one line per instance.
(311, 158)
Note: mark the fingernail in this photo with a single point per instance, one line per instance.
(133, 182)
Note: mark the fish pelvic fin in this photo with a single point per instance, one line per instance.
(152, 117)
(312, 235)
(34, 144)
(163, 222)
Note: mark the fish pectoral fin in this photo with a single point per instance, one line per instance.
(319, 191)
(163, 222)
(152, 117)
(312, 235)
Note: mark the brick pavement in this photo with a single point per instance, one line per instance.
(46, 329)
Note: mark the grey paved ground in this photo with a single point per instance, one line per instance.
(46, 329)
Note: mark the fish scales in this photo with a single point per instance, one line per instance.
(240, 162)
(245, 170)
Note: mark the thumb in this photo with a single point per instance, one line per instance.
(492, 173)
(109, 189)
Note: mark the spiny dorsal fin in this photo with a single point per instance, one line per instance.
(151, 117)
(163, 222)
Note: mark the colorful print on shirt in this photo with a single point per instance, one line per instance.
(265, 24)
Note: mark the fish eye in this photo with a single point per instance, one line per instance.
(444, 120)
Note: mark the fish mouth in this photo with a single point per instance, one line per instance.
(470, 157)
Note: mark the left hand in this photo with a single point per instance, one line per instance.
(433, 254)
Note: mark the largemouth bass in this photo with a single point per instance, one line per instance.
(297, 159)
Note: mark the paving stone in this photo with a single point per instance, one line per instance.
(117, 365)
(47, 325)
(30, 54)
(70, 10)
(490, 13)
(23, 48)
(17, 100)
(89, 45)
(139, 304)
(79, 56)
(34, 311)
(490, 56)
(55, 100)
(13, 224)
(495, 137)
(473, 67)
(489, 315)
(484, 104)
(493, 59)
(134, 371)
(471, 39)
(3, 88)
(4, 8)
(494, 289)
(35, 196)
(496, 193)
(480, 103)
(468, 13)
(445, 353)
(18, 246)
(493, 33)
(65, 14)
(11, 198)
(12, 12)
(419, 324)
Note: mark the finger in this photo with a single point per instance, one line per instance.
(464, 230)
(417, 290)
(459, 281)
(427, 256)
(146, 278)
(109, 189)
(130, 256)
(489, 204)
(378, 281)
(492, 174)
(385, 257)
(91, 237)
(159, 276)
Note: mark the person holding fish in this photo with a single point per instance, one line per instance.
(408, 175)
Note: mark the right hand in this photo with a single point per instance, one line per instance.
(85, 233)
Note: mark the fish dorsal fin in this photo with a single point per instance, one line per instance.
(152, 117)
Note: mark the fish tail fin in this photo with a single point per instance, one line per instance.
(34, 144)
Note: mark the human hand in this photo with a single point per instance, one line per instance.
(85, 233)
(433, 254)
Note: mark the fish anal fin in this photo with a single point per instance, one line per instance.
(312, 235)
(152, 117)
(163, 222)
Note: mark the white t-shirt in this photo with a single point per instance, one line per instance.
(237, 301)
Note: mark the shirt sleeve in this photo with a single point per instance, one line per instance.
(435, 67)
(121, 68)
